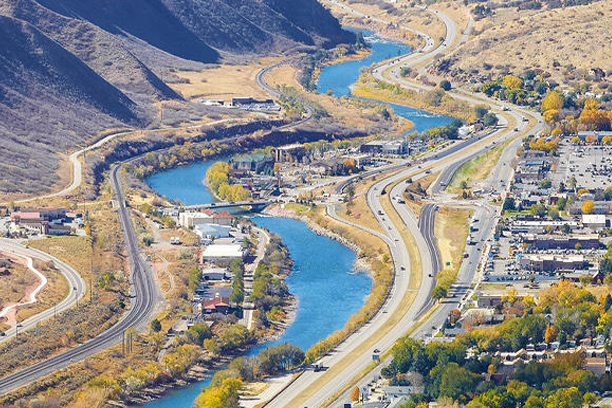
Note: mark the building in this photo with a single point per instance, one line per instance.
(396, 147)
(257, 162)
(215, 274)
(223, 254)
(599, 207)
(212, 231)
(217, 304)
(289, 154)
(552, 262)
(192, 219)
(595, 221)
(38, 219)
(585, 241)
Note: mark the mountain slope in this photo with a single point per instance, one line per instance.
(72, 68)
(48, 99)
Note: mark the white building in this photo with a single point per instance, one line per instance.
(594, 221)
(223, 254)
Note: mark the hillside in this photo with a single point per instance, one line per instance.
(72, 68)
(559, 42)
(49, 99)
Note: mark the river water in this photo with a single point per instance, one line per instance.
(338, 78)
(322, 279)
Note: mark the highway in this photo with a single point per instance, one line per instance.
(426, 226)
(145, 298)
(75, 283)
(314, 389)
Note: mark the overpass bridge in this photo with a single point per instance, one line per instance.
(256, 205)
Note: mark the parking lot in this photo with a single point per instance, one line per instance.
(590, 165)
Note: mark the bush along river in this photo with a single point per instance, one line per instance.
(338, 79)
(322, 278)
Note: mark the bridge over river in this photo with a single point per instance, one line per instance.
(256, 205)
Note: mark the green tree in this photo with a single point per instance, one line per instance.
(456, 382)
(156, 326)
(197, 333)
(439, 292)
(446, 85)
(490, 119)
(281, 358)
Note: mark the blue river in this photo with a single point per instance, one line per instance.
(338, 79)
(322, 278)
(309, 281)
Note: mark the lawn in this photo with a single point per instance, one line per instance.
(451, 231)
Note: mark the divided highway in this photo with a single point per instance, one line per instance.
(145, 298)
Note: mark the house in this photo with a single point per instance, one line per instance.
(191, 219)
(217, 304)
(289, 154)
(58, 229)
(223, 254)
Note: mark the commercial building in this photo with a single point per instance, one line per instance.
(257, 162)
(223, 254)
(395, 147)
(595, 221)
(586, 241)
(552, 262)
(289, 154)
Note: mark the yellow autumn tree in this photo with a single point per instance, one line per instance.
(591, 104)
(512, 82)
(553, 100)
(550, 335)
(587, 207)
(355, 394)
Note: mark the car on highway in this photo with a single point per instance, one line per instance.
(402, 268)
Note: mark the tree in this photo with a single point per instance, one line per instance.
(509, 204)
(512, 82)
(156, 326)
(457, 382)
(224, 395)
(355, 394)
(550, 335)
(199, 332)
(490, 119)
(587, 207)
(553, 100)
(564, 398)
(281, 358)
(439, 292)
(446, 85)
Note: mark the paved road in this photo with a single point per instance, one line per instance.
(75, 283)
(145, 298)
(260, 78)
(299, 393)
(426, 226)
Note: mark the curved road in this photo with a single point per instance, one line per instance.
(75, 283)
(314, 389)
(145, 297)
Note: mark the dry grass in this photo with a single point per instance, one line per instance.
(223, 82)
(476, 169)
(55, 291)
(13, 286)
(451, 231)
(417, 202)
(368, 87)
(347, 111)
(360, 212)
(538, 39)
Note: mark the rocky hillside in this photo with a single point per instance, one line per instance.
(71, 68)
